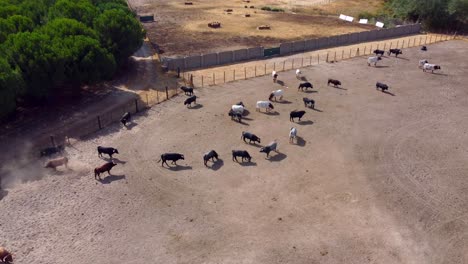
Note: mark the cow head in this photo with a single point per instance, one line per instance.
(182, 157)
(379, 58)
(436, 67)
(116, 151)
(270, 105)
(240, 103)
(264, 149)
(113, 164)
(8, 258)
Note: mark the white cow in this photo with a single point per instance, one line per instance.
(373, 60)
(430, 67)
(277, 93)
(264, 104)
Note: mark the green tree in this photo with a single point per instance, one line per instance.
(11, 85)
(21, 23)
(81, 10)
(33, 54)
(459, 9)
(120, 33)
(64, 27)
(6, 28)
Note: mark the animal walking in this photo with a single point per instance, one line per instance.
(106, 167)
(292, 134)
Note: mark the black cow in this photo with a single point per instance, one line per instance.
(395, 51)
(106, 167)
(296, 114)
(187, 90)
(382, 86)
(379, 52)
(125, 118)
(305, 85)
(250, 136)
(107, 150)
(174, 157)
(210, 155)
(334, 82)
(241, 153)
(51, 150)
(192, 99)
(424, 48)
(309, 102)
(235, 115)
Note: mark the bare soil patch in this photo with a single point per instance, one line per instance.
(373, 178)
(183, 29)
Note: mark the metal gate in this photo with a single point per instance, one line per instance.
(271, 52)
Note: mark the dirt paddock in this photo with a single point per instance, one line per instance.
(373, 178)
(183, 29)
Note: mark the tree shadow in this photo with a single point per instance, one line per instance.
(247, 164)
(300, 141)
(217, 165)
(382, 66)
(179, 168)
(305, 123)
(197, 106)
(389, 93)
(111, 178)
(277, 157)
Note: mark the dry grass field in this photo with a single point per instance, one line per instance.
(373, 177)
(182, 29)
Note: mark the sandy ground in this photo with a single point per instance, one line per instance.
(373, 178)
(182, 29)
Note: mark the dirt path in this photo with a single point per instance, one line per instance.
(373, 177)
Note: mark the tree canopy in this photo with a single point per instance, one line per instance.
(52, 46)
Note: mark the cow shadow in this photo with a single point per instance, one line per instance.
(303, 78)
(402, 58)
(217, 165)
(284, 102)
(131, 125)
(305, 123)
(277, 157)
(300, 141)
(116, 160)
(310, 91)
(382, 66)
(280, 82)
(247, 118)
(245, 113)
(338, 87)
(438, 73)
(197, 106)
(3, 193)
(243, 123)
(179, 168)
(316, 109)
(111, 178)
(247, 164)
(272, 113)
(254, 144)
(389, 93)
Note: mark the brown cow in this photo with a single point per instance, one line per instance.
(106, 167)
(54, 163)
(5, 256)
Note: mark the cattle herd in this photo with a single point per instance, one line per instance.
(236, 112)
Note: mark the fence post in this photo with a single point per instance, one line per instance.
(167, 93)
(365, 47)
(414, 42)
(136, 106)
(357, 52)
(245, 73)
(350, 52)
(284, 62)
(370, 51)
(265, 69)
(214, 78)
(342, 55)
(292, 65)
(425, 40)
(310, 60)
(378, 44)
(430, 40)
(302, 62)
(157, 96)
(202, 81)
(327, 57)
(318, 58)
(147, 102)
(224, 76)
(274, 66)
(255, 70)
(234, 74)
(419, 41)
(385, 45)
(403, 45)
(98, 121)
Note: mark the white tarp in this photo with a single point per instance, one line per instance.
(363, 21)
(379, 24)
(342, 17)
(349, 19)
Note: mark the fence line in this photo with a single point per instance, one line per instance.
(329, 56)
